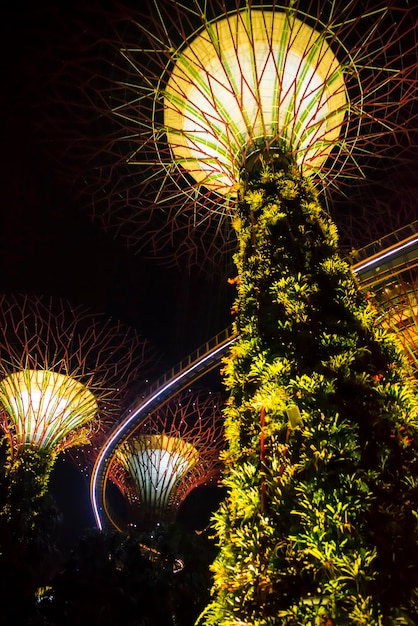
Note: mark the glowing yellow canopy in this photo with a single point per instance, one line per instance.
(45, 406)
(252, 79)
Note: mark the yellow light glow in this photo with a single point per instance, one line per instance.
(45, 406)
(399, 314)
(256, 77)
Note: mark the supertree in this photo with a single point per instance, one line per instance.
(242, 112)
(65, 373)
(106, 76)
(174, 451)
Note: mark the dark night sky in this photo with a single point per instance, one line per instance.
(49, 246)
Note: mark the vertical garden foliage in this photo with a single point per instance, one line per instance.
(319, 526)
(28, 521)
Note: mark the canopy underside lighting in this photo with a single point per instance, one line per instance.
(45, 406)
(252, 80)
(156, 463)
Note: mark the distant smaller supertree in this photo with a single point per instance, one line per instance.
(63, 372)
(176, 450)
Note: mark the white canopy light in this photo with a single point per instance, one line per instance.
(45, 406)
(252, 80)
(156, 464)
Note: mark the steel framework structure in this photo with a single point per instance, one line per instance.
(176, 449)
(64, 371)
(142, 187)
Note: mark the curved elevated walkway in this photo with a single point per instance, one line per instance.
(188, 371)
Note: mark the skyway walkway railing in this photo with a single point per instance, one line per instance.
(192, 359)
(394, 259)
(386, 242)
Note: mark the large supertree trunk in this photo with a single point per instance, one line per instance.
(319, 524)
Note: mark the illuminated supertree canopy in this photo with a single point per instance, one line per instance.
(397, 303)
(176, 450)
(65, 372)
(178, 99)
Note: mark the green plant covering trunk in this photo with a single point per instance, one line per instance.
(28, 522)
(319, 526)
